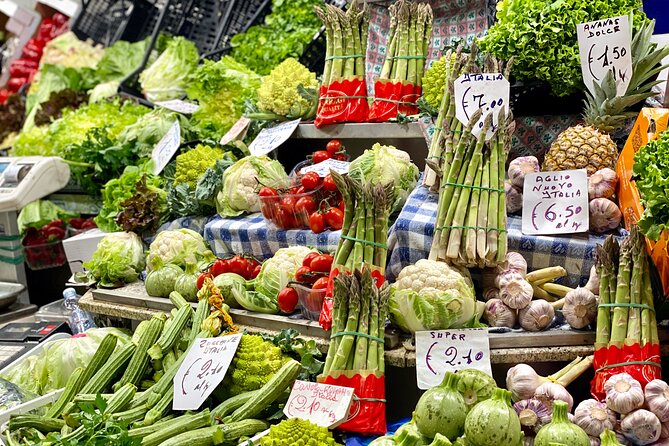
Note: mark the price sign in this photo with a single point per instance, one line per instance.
(269, 139)
(441, 351)
(488, 92)
(323, 168)
(179, 106)
(203, 369)
(166, 148)
(605, 45)
(236, 130)
(555, 202)
(322, 404)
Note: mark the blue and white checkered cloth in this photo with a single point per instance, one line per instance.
(193, 223)
(252, 234)
(410, 240)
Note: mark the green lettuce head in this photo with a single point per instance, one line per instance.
(118, 259)
(168, 77)
(180, 247)
(279, 270)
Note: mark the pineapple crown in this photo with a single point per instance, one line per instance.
(604, 110)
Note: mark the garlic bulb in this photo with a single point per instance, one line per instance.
(536, 316)
(580, 308)
(641, 427)
(594, 417)
(623, 393)
(533, 415)
(514, 198)
(550, 391)
(523, 381)
(602, 184)
(497, 314)
(521, 166)
(604, 215)
(664, 433)
(490, 293)
(594, 441)
(657, 399)
(513, 261)
(514, 290)
(593, 281)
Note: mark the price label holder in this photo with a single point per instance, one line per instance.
(179, 106)
(203, 369)
(166, 148)
(323, 168)
(606, 45)
(487, 91)
(269, 139)
(555, 202)
(236, 131)
(441, 351)
(322, 404)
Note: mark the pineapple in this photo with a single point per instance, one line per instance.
(589, 146)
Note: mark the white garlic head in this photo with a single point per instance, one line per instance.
(602, 184)
(623, 393)
(516, 293)
(497, 314)
(536, 316)
(605, 215)
(522, 381)
(521, 166)
(641, 427)
(657, 399)
(550, 391)
(594, 417)
(580, 308)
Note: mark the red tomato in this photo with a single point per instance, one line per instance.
(201, 277)
(321, 283)
(305, 274)
(340, 157)
(310, 180)
(248, 269)
(317, 222)
(288, 203)
(335, 218)
(287, 300)
(329, 184)
(267, 210)
(283, 218)
(309, 257)
(256, 271)
(300, 190)
(320, 155)
(237, 265)
(342, 206)
(267, 192)
(219, 267)
(305, 205)
(321, 263)
(333, 146)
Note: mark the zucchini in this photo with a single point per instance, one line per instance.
(155, 393)
(142, 431)
(160, 409)
(69, 392)
(200, 315)
(121, 398)
(178, 300)
(140, 359)
(193, 422)
(131, 415)
(42, 424)
(268, 393)
(171, 334)
(90, 397)
(228, 406)
(244, 428)
(198, 437)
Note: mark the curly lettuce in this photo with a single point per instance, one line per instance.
(117, 260)
(651, 171)
(168, 77)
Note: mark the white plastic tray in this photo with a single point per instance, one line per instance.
(35, 350)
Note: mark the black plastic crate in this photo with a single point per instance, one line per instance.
(106, 21)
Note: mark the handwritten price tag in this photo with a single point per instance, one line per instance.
(203, 369)
(237, 130)
(322, 404)
(555, 202)
(323, 168)
(166, 148)
(179, 106)
(269, 139)
(487, 91)
(441, 351)
(606, 45)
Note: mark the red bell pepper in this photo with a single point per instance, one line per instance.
(46, 29)
(4, 94)
(33, 50)
(15, 83)
(22, 68)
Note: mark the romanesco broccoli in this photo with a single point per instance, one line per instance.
(298, 432)
(255, 361)
(434, 81)
(193, 164)
(280, 93)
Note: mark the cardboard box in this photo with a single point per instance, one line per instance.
(80, 248)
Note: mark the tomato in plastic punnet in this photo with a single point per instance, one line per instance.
(329, 184)
(219, 267)
(321, 283)
(322, 263)
(310, 180)
(320, 155)
(309, 257)
(334, 217)
(317, 222)
(287, 300)
(334, 146)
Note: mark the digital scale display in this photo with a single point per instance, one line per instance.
(3, 166)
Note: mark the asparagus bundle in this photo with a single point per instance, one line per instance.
(399, 84)
(343, 93)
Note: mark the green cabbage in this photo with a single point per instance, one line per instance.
(180, 247)
(279, 270)
(386, 164)
(118, 259)
(168, 77)
(50, 369)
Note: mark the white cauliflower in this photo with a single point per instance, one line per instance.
(279, 270)
(180, 247)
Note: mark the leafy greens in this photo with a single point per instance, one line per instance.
(651, 171)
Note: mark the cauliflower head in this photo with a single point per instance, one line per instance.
(180, 247)
(279, 92)
(298, 432)
(433, 295)
(193, 164)
(434, 80)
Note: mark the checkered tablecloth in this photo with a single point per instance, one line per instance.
(252, 234)
(194, 223)
(410, 240)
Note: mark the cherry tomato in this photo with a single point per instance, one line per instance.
(300, 190)
(305, 274)
(333, 146)
(267, 192)
(329, 184)
(335, 218)
(305, 205)
(342, 206)
(201, 278)
(310, 180)
(256, 271)
(248, 269)
(237, 265)
(317, 222)
(321, 283)
(287, 300)
(321, 263)
(284, 219)
(219, 267)
(309, 257)
(267, 210)
(341, 157)
(320, 155)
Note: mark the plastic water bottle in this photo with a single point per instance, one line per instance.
(80, 320)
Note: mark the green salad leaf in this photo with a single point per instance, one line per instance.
(118, 259)
(651, 172)
(168, 77)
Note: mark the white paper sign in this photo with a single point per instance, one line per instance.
(322, 404)
(237, 130)
(605, 45)
(488, 91)
(555, 202)
(203, 369)
(269, 139)
(179, 106)
(323, 168)
(441, 351)
(166, 148)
